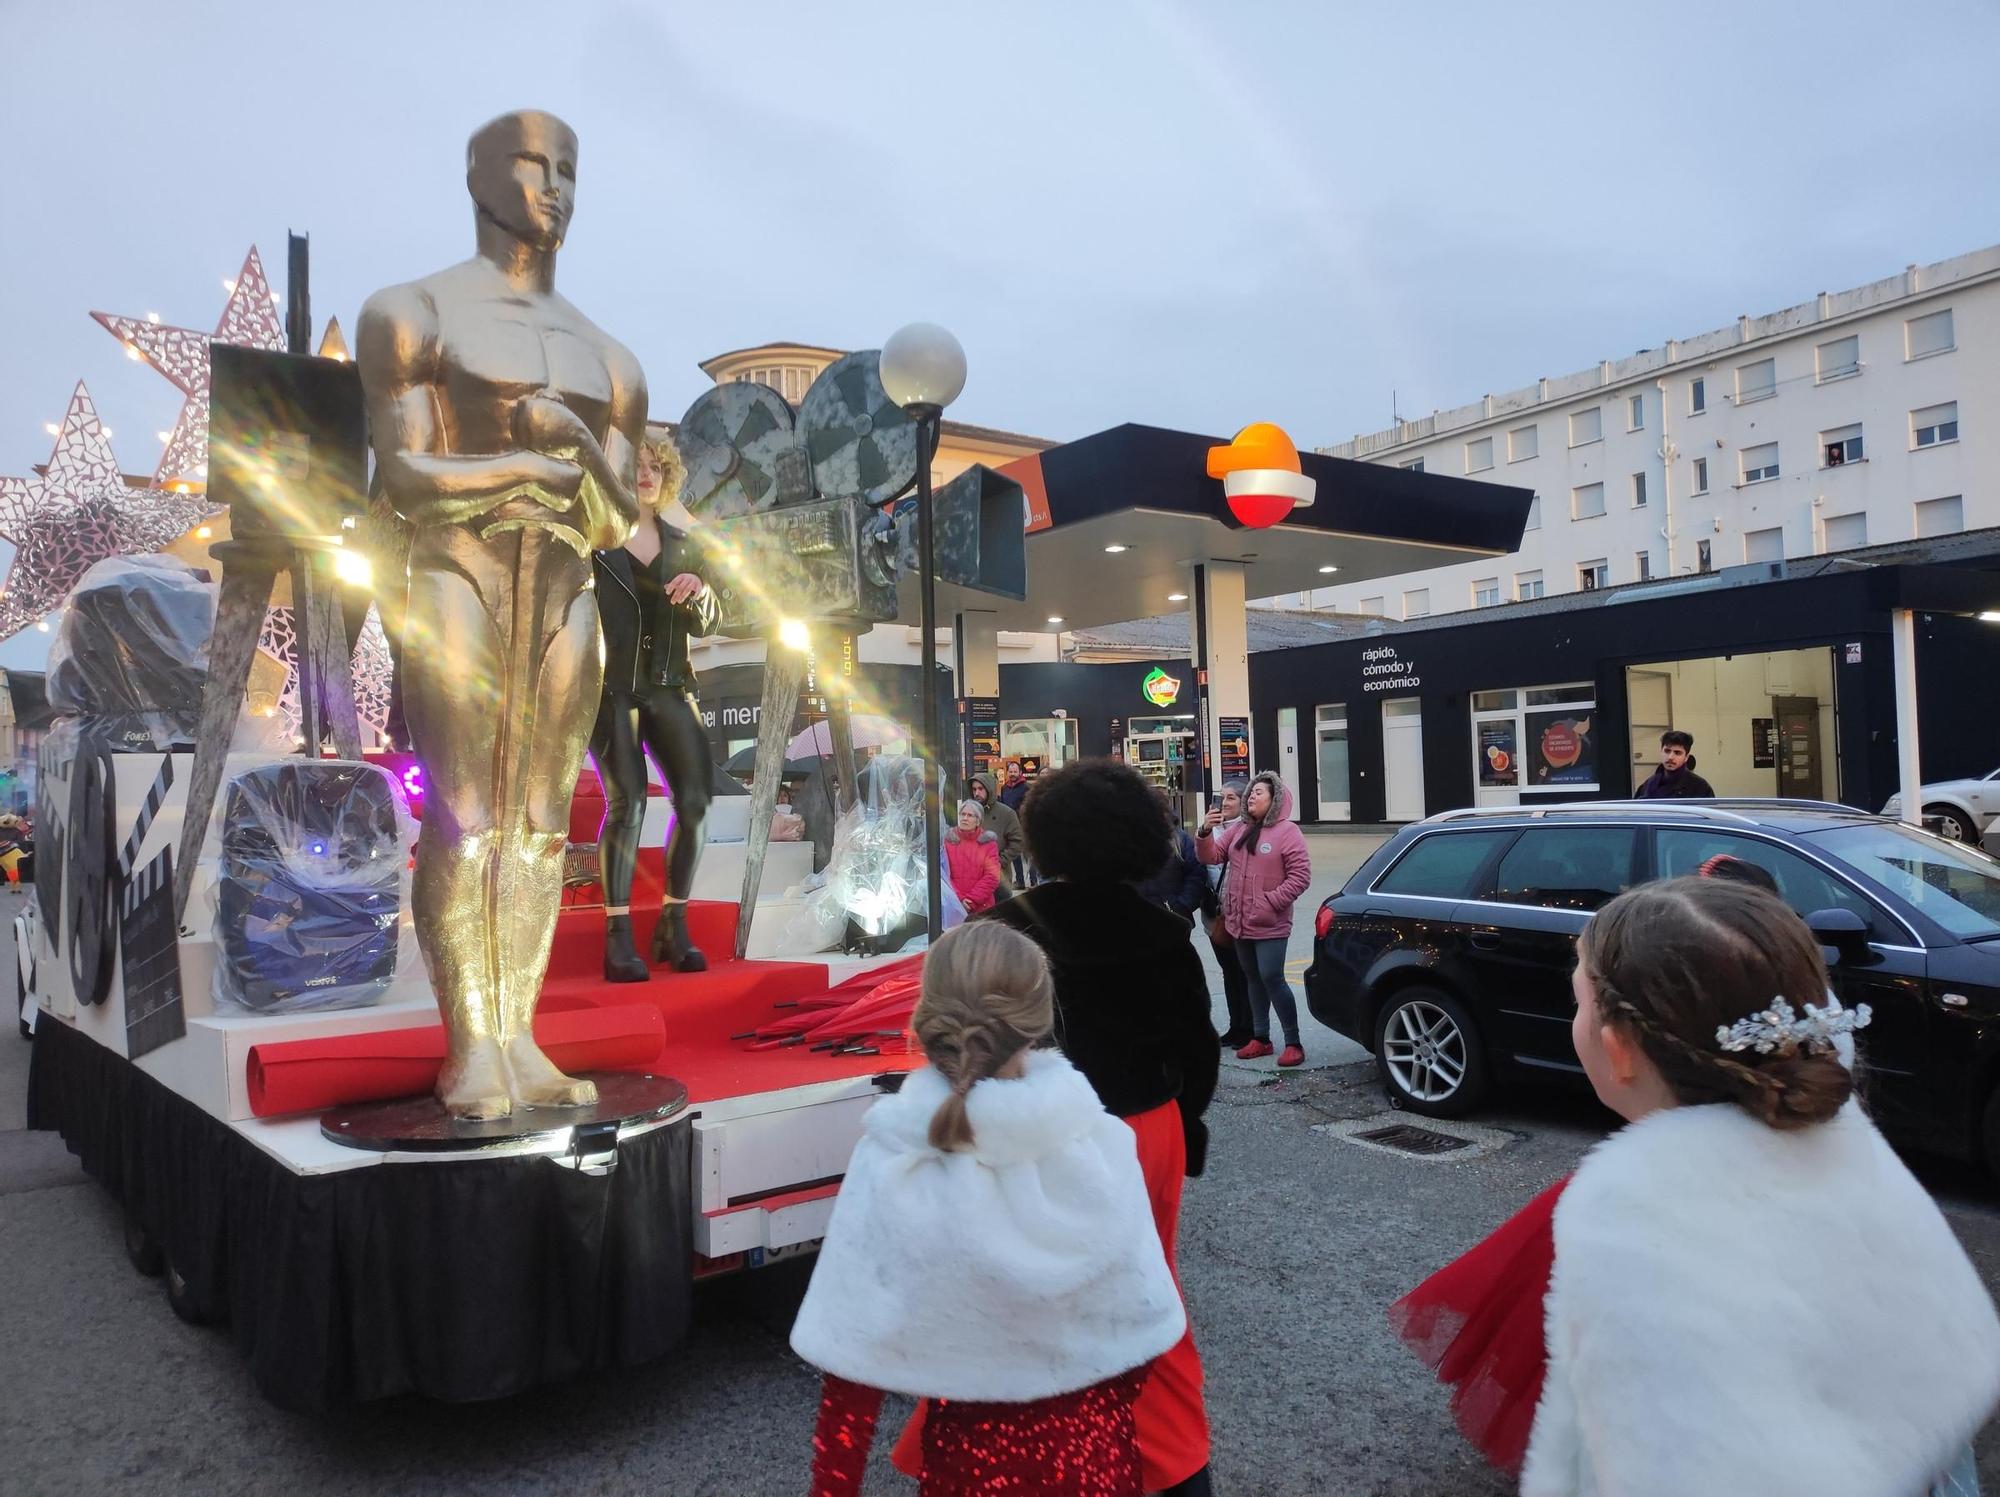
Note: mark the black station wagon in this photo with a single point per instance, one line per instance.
(1449, 952)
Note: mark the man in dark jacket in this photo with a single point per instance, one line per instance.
(1181, 881)
(1675, 779)
(1005, 827)
(1016, 789)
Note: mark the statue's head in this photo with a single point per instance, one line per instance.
(521, 172)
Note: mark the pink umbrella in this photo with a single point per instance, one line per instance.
(870, 732)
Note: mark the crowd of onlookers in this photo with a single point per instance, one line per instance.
(1741, 1291)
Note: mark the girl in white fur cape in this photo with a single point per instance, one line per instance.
(1751, 1294)
(992, 1249)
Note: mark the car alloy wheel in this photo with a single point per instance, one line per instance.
(1430, 1053)
(1425, 1052)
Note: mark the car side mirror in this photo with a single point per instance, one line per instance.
(1842, 934)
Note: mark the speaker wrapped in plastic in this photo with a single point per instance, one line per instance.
(310, 887)
(131, 653)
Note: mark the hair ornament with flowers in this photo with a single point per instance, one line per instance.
(1781, 1028)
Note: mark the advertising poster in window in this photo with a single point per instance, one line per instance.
(1499, 755)
(1561, 748)
(1235, 747)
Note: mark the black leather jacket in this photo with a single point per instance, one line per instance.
(645, 637)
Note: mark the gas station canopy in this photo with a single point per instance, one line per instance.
(1146, 489)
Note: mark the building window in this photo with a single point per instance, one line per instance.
(1586, 501)
(1591, 575)
(1934, 424)
(1840, 446)
(1845, 532)
(1479, 455)
(1527, 585)
(1586, 427)
(1523, 442)
(1704, 556)
(1941, 516)
(1534, 514)
(1414, 465)
(1373, 606)
(1760, 463)
(1697, 396)
(1839, 358)
(1486, 592)
(1417, 603)
(1764, 545)
(1923, 336)
(1758, 381)
(1642, 565)
(1635, 413)
(1701, 475)
(1638, 491)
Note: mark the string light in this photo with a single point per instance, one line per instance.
(154, 318)
(229, 287)
(51, 428)
(203, 532)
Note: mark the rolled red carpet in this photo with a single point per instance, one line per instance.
(312, 1075)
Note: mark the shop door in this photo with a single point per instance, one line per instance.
(1799, 776)
(1649, 704)
(1334, 804)
(1403, 760)
(1288, 754)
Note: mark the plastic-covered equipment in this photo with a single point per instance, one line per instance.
(310, 886)
(871, 897)
(131, 652)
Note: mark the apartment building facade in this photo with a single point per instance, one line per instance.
(1858, 418)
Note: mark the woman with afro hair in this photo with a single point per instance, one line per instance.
(1132, 1013)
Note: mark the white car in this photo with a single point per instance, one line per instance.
(1962, 810)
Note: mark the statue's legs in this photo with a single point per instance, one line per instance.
(502, 670)
(451, 669)
(566, 656)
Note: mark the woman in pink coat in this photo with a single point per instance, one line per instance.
(1268, 870)
(973, 855)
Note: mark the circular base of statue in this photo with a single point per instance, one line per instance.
(626, 1100)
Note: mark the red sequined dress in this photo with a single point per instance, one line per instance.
(1082, 1444)
(1478, 1324)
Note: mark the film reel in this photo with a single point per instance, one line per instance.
(741, 450)
(862, 444)
(91, 852)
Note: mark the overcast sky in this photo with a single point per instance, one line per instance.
(1194, 215)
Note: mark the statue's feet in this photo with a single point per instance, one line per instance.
(537, 1082)
(473, 1085)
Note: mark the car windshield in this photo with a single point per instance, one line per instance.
(1955, 886)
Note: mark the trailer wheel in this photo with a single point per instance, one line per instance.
(181, 1300)
(141, 1247)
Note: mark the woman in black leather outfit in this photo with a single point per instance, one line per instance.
(651, 601)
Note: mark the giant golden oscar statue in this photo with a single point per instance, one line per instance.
(506, 428)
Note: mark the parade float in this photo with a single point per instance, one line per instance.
(330, 1013)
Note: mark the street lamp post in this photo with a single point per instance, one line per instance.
(923, 371)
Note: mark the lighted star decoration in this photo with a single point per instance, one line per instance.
(77, 513)
(181, 354)
(371, 670)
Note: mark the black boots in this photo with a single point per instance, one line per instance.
(622, 963)
(671, 945)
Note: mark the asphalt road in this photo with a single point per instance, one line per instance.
(1292, 1245)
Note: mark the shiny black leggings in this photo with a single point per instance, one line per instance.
(666, 724)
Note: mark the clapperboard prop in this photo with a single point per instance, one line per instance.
(148, 936)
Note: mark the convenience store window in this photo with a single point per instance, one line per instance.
(1533, 738)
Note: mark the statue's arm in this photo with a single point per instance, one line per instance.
(612, 495)
(396, 349)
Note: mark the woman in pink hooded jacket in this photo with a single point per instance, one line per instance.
(1268, 870)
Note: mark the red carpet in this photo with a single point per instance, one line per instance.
(703, 1010)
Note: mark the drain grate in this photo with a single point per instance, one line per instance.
(1406, 1138)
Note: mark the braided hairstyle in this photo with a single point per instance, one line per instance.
(1674, 961)
(987, 996)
